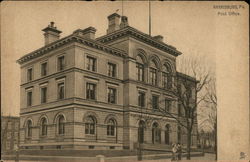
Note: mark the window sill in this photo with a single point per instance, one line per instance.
(60, 135)
(43, 136)
(91, 99)
(112, 103)
(112, 76)
(90, 135)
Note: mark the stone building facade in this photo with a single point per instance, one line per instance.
(9, 133)
(82, 92)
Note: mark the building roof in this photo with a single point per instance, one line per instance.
(100, 42)
(71, 38)
(130, 31)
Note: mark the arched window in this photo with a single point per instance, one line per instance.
(156, 133)
(153, 73)
(141, 129)
(61, 124)
(167, 134)
(111, 127)
(29, 129)
(90, 125)
(139, 68)
(167, 76)
(43, 126)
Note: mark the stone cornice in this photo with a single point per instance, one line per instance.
(185, 76)
(68, 39)
(130, 31)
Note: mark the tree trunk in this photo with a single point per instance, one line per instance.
(188, 144)
(215, 140)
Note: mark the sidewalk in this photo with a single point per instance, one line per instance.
(154, 157)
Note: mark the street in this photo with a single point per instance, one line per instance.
(208, 157)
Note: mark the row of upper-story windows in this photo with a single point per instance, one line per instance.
(91, 93)
(91, 65)
(154, 73)
(155, 102)
(44, 94)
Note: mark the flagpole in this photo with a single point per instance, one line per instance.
(149, 5)
(122, 7)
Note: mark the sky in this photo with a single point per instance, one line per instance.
(190, 27)
(219, 36)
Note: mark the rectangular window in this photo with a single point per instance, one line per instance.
(29, 74)
(91, 91)
(60, 63)
(111, 95)
(152, 75)
(44, 69)
(140, 72)
(44, 95)
(60, 88)
(7, 145)
(167, 105)
(9, 125)
(111, 69)
(8, 135)
(16, 136)
(29, 98)
(91, 63)
(16, 125)
(141, 99)
(155, 102)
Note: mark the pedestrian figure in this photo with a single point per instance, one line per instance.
(179, 151)
(174, 150)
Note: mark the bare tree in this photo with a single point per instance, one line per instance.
(189, 88)
(190, 93)
(210, 111)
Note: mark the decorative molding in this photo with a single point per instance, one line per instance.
(130, 31)
(69, 39)
(112, 83)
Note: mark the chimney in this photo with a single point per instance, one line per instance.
(158, 38)
(88, 33)
(113, 22)
(124, 22)
(51, 34)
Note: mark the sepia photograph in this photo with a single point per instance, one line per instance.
(124, 81)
